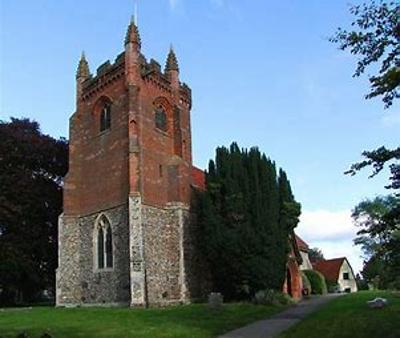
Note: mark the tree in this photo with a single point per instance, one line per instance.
(374, 38)
(377, 159)
(246, 215)
(315, 255)
(32, 167)
(379, 237)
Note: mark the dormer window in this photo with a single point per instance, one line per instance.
(160, 118)
(105, 117)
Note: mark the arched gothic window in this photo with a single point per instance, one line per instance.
(105, 117)
(160, 118)
(104, 246)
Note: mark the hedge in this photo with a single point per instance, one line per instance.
(306, 282)
(317, 280)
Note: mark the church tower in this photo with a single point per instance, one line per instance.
(125, 233)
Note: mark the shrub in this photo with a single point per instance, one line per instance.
(284, 298)
(394, 285)
(317, 280)
(272, 297)
(306, 284)
(332, 287)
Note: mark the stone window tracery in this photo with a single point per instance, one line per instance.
(104, 244)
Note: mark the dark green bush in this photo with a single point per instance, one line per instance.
(333, 287)
(272, 297)
(306, 284)
(317, 280)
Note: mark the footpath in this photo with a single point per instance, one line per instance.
(280, 322)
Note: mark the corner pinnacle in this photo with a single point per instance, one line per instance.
(132, 34)
(172, 61)
(83, 67)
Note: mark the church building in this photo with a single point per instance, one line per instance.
(126, 235)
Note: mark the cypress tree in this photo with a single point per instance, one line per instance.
(246, 215)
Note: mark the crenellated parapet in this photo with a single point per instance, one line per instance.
(106, 74)
(149, 72)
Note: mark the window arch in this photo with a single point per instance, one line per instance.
(104, 244)
(162, 113)
(105, 116)
(160, 118)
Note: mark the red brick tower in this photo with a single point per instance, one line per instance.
(124, 233)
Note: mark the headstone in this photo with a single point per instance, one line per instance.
(215, 300)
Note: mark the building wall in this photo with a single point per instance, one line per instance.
(98, 168)
(351, 282)
(163, 238)
(166, 172)
(78, 279)
(296, 284)
(68, 276)
(306, 264)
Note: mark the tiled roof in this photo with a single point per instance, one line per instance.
(198, 178)
(330, 268)
(303, 246)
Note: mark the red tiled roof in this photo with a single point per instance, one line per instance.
(330, 268)
(303, 246)
(198, 178)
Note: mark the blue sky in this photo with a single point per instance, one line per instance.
(262, 73)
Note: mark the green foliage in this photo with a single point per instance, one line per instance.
(32, 166)
(272, 297)
(378, 159)
(317, 280)
(374, 38)
(332, 287)
(315, 255)
(246, 216)
(306, 283)
(379, 238)
(362, 283)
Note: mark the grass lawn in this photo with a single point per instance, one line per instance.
(187, 321)
(349, 316)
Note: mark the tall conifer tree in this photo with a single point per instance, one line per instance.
(247, 215)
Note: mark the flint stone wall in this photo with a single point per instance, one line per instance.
(175, 269)
(78, 280)
(163, 254)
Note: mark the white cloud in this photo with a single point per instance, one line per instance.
(327, 225)
(332, 232)
(391, 119)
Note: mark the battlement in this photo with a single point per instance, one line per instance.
(150, 71)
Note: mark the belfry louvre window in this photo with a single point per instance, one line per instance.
(105, 117)
(104, 245)
(160, 118)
